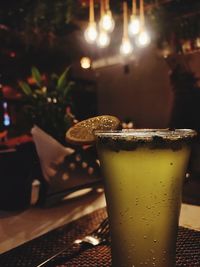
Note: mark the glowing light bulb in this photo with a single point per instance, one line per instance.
(143, 39)
(85, 62)
(134, 26)
(103, 39)
(6, 119)
(91, 33)
(107, 23)
(126, 48)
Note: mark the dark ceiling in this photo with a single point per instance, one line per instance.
(58, 16)
(42, 31)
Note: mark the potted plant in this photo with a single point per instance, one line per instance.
(48, 103)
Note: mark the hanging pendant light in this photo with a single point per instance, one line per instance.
(134, 25)
(107, 22)
(143, 37)
(126, 47)
(91, 31)
(103, 38)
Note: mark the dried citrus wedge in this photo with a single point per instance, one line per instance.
(82, 132)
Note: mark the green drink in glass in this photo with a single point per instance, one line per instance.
(144, 171)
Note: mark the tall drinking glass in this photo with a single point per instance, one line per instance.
(144, 171)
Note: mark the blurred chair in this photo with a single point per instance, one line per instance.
(16, 167)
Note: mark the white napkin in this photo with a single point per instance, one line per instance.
(51, 154)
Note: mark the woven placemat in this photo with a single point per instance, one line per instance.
(36, 251)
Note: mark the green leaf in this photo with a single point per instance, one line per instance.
(25, 88)
(68, 88)
(62, 79)
(36, 75)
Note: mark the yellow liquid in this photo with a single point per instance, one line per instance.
(143, 194)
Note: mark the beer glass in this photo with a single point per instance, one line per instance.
(143, 172)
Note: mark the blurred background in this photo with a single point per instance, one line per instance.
(137, 87)
(66, 60)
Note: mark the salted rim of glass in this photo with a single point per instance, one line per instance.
(147, 134)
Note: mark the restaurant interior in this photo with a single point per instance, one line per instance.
(65, 61)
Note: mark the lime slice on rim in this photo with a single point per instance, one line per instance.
(82, 132)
